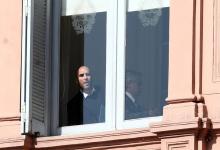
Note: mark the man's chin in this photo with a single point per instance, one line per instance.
(86, 87)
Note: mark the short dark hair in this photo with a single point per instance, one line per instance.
(132, 76)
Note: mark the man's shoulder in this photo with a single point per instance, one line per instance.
(98, 92)
(128, 99)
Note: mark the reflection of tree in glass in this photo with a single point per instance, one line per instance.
(83, 23)
(149, 17)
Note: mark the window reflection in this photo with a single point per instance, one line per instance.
(146, 62)
(83, 23)
(132, 91)
(84, 45)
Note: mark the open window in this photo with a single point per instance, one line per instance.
(124, 44)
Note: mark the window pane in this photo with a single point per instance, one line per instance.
(82, 91)
(146, 73)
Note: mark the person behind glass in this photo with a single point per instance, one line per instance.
(87, 106)
(132, 86)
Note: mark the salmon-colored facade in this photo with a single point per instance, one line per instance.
(191, 118)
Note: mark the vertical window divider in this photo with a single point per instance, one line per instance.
(111, 59)
(121, 45)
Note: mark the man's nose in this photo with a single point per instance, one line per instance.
(86, 77)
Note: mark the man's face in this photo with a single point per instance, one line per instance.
(134, 88)
(84, 78)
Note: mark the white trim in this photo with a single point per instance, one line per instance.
(23, 67)
(137, 5)
(111, 34)
(125, 6)
(139, 123)
(83, 129)
(121, 46)
(28, 65)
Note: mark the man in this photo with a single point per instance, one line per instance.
(132, 86)
(87, 106)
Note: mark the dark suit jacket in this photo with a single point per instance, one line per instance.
(86, 111)
(133, 110)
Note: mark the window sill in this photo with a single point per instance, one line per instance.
(122, 138)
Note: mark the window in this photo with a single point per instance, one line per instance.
(79, 48)
(125, 46)
(87, 38)
(144, 59)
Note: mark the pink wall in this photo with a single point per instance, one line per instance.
(191, 120)
(10, 53)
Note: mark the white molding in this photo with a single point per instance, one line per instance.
(121, 44)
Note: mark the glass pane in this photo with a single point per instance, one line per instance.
(82, 69)
(146, 76)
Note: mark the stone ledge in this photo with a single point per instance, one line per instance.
(176, 126)
(124, 138)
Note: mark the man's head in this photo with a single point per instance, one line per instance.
(132, 83)
(84, 78)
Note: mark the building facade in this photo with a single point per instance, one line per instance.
(40, 47)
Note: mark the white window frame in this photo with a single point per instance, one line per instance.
(111, 12)
(125, 6)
